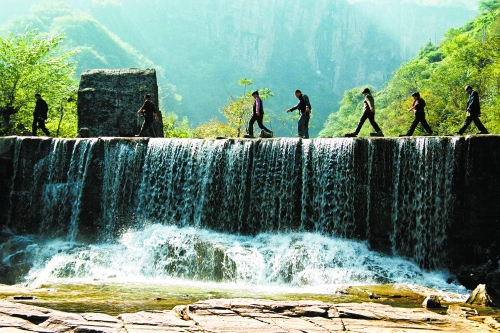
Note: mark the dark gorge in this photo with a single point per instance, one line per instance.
(433, 200)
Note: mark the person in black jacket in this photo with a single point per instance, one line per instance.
(304, 108)
(368, 113)
(148, 111)
(40, 115)
(418, 109)
(473, 113)
(257, 115)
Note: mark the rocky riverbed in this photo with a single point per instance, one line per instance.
(249, 315)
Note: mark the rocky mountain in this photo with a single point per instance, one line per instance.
(321, 47)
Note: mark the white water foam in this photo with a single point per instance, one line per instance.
(298, 262)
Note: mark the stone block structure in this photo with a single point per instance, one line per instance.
(108, 100)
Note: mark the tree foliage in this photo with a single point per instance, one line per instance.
(469, 55)
(31, 63)
(237, 114)
(173, 128)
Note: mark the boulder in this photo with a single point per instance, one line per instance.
(461, 311)
(480, 297)
(470, 279)
(108, 101)
(432, 302)
(84, 132)
(493, 283)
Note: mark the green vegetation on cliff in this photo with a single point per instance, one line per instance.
(236, 115)
(31, 63)
(97, 47)
(468, 56)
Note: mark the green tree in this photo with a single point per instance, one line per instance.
(469, 55)
(244, 82)
(31, 63)
(173, 128)
(489, 5)
(67, 120)
(236, 114)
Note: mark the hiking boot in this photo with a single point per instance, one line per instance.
(351, 135)
(403, 135)
(483, 132)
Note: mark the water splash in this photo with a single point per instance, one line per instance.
(162, 253)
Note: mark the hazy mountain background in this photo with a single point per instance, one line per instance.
(201, 48)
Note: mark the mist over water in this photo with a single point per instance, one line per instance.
(296, 262)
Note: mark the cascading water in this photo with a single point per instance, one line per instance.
(121, 180)
(423, 198)
(328, 186)
(262, 212)
(55, 185)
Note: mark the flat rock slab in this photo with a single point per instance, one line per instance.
(244, 315)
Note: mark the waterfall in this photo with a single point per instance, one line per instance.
(48, 185)
(395, 194)
(422, 198)
(329, 186)
(121, 180)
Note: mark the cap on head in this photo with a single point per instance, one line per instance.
(38, 95)
(147, 96)
(366, 91)
(468, 87)
(255, 93)
(298, 91)
(416, 94)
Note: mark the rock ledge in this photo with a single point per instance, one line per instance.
(244, 315)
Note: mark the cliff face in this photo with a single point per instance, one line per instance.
(322, 47)
(204, 47)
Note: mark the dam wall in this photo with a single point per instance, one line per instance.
(434, 200)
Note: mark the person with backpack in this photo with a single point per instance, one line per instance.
(40, 115)
(418, 108)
